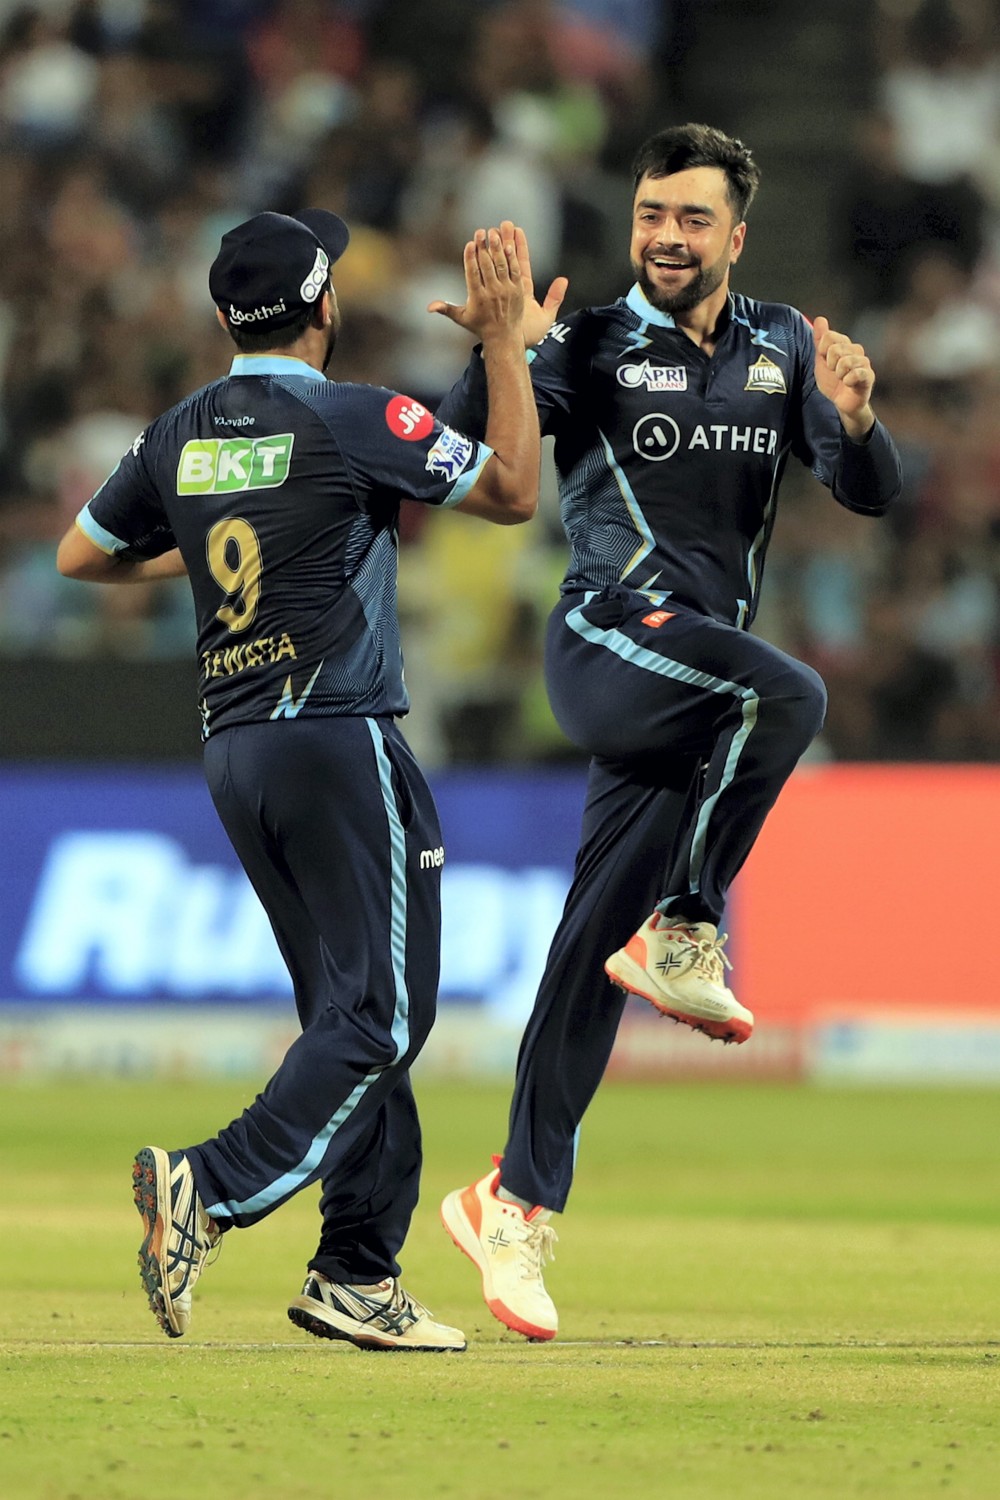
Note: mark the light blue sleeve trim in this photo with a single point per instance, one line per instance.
(96, 533)
(465, 481)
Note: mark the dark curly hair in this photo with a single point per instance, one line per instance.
(684, 146)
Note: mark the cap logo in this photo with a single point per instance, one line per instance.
(316, 281)
(257, 314)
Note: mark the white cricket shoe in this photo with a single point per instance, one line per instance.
(679, 967)
(178, 1235)
(380, 1316)
(509, 1246)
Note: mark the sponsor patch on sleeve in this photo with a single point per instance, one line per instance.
(657, 618)
(450, 454)
(408, 419)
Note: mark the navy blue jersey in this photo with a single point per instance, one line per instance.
(282, 491)
(669, 459)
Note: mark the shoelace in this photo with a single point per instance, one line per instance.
(214, 1248)
(401, 1303)
(710, 958)
(536, 1248)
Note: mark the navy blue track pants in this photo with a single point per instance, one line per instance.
(693, 727)
(338, 833)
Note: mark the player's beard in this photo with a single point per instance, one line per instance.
(702, 285)
(331, 344)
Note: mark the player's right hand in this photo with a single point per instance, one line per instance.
(494, 303)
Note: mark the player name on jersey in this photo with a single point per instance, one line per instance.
(263, 652)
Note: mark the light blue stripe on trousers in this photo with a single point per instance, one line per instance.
(651, 661)
(290, 1182)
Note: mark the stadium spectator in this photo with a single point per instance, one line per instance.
(47, 81)
(941, 88)
(939, 338)
(884, 216)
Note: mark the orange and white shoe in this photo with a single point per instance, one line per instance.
(679, 967)
(509, 1246)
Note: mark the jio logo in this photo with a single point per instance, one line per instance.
(656, 437)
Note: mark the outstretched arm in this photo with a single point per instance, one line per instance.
(507, 489)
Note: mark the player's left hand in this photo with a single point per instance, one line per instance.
(845, 376)
(495, 298)
(538, 316)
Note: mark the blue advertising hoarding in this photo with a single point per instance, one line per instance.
(120, 887)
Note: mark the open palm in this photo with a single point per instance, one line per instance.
(538, 316)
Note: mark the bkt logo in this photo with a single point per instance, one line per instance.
(653, 377)
(216, 466)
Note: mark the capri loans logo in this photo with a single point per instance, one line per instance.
(220, 466)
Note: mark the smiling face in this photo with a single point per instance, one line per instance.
(684, 239)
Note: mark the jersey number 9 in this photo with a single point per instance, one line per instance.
(234, 558)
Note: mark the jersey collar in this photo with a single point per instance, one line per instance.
(273, 364)
(644, 309)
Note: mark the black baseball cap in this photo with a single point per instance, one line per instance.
(273, 267)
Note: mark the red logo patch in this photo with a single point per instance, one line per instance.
(408, 419)
(657, 618)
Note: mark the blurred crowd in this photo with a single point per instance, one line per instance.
(134, 132)
(903, 618)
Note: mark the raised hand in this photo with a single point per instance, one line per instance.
(845, 376)
(538, 316)
(494, 302)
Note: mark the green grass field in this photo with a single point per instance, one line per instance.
(765, 1292)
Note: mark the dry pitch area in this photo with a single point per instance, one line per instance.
(765, 1293)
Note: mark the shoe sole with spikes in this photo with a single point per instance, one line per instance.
(151, 1189)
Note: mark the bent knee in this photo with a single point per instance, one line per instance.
(801, 696)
